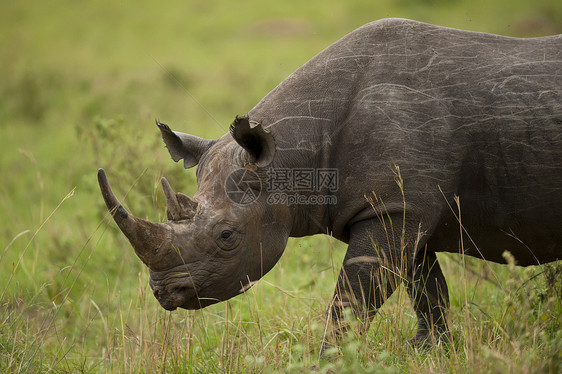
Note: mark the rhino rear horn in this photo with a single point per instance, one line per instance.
(178, 205)
(255, 139)
(180, 145)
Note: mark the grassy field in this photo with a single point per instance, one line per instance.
(82, 83)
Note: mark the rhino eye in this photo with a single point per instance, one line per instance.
(226, 235)
(228, 239)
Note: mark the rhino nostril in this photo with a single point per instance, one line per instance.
(156, 291)
(179, 289)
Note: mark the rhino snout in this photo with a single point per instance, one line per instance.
(175, 296)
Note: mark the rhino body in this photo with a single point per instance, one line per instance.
(410, 116)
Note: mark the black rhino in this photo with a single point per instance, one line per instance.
(402, 118)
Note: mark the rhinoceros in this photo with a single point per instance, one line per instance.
(402, 139)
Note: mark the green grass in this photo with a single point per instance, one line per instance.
(82, 83)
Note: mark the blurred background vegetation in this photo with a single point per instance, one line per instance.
(81, 85)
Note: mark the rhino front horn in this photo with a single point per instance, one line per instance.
(144, 236)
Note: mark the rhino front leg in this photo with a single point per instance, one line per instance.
(370, 273)
(430, 298)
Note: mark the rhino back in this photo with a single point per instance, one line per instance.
(460, 113)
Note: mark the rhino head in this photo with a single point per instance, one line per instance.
(214, 245)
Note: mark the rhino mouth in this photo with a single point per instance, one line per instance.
(168, 307)
(183, 297)
(188, 303)
(180, 295)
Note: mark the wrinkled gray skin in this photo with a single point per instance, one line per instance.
(460, 113)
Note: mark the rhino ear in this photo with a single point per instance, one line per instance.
(185, 146)
(251, 136)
